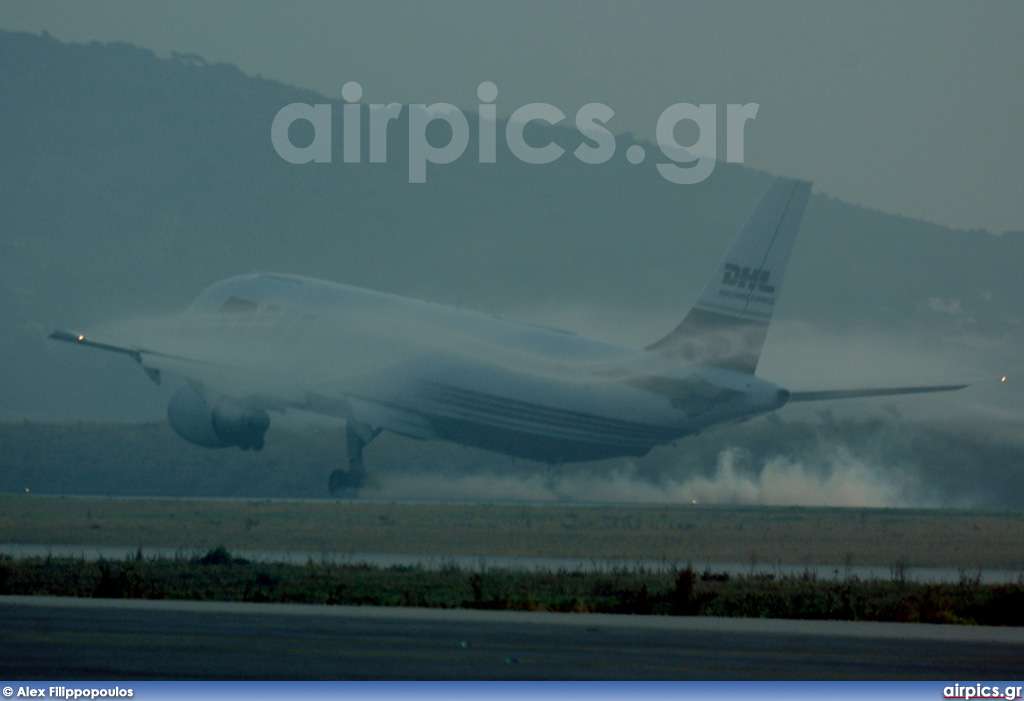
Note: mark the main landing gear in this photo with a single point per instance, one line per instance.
(346, 484)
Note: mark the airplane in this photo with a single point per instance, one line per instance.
(253, 345)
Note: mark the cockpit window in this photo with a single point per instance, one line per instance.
(236, 314)
(244, 316)
(237, 305)
(265, 319)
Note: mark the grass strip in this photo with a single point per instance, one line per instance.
(217, 576)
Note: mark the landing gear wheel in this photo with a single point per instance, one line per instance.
(346, 483)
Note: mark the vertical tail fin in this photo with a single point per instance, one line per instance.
(727, 326)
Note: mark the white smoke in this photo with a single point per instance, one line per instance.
(838, 478)
(842, 481)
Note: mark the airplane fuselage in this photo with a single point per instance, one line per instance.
(429, 371)
(256, 344)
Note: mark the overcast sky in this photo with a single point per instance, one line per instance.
(913, 108)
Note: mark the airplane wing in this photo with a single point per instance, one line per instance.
(145, 357)
(874, 392)
(258, 387)
(132, 352)
(80, 339)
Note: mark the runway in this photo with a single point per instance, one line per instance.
(53, 638)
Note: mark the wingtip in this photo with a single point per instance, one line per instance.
(69, 336)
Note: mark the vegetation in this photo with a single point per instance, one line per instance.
(221, 577)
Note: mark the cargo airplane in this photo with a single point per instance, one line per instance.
(256, 345)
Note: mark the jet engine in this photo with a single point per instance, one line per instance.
(218, 424)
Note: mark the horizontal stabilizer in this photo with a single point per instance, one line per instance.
(877, 392)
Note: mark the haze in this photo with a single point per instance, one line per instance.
(911, 108)
(133, 181)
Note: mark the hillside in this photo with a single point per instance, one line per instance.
(132, 181)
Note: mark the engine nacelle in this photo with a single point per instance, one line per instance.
(223, 423)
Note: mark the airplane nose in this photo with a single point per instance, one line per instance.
(782, 396)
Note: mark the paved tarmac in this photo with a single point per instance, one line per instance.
(59, 638)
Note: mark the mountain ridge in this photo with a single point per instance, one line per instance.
(133, 181)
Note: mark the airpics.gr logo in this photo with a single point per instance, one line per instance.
(686, 165)
(749, 278)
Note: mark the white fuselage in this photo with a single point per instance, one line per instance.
(430, 371)
(255, 344)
